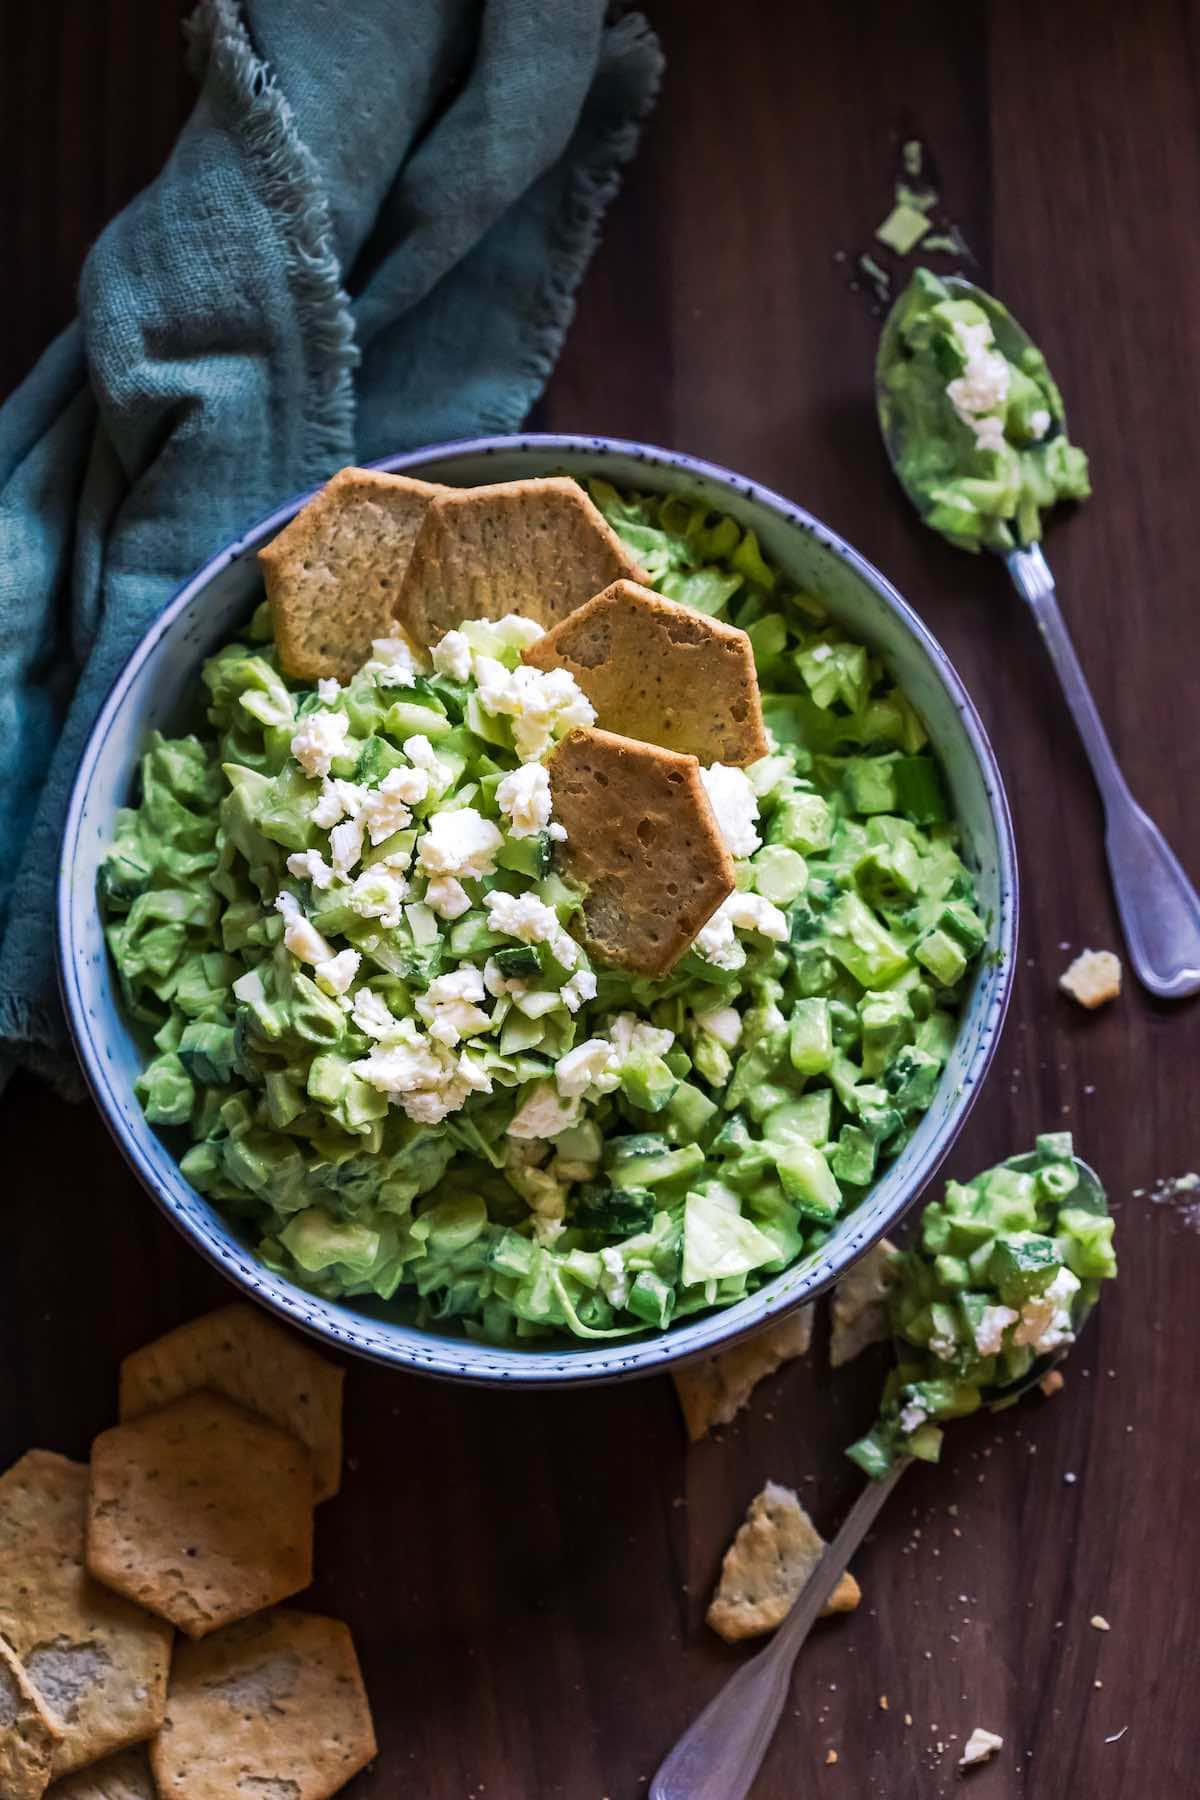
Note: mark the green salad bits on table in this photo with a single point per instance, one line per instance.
(975, 422)
(339, 919)
(1000, 1273)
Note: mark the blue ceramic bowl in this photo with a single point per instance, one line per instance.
(157, 688)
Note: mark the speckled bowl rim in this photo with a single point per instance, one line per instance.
(456, 1359)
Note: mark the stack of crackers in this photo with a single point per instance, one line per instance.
(195, 1515)
(373, 555)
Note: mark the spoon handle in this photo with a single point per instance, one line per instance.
(1159, 907)
(719, 1755)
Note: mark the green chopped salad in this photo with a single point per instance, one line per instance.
(999, 1275)
(338, 916)
(979, 435)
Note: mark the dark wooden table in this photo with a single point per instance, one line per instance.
(526, 1576)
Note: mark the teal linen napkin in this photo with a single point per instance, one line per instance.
(368, 237)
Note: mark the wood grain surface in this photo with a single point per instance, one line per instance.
(526, 1576)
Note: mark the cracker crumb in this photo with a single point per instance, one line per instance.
(831, 1757)
(1099, 1623)
(883, 1702)
(1052, 1382)
(980, 1747)
(1093, 979)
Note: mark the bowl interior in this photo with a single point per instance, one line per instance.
(156, 691)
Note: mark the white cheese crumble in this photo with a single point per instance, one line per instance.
(462, 842)
(543, 704)
(1045, 1322)
(310, 865)
(587, 1071)
(525, 797)
(328, 690)
(336, 974)
(580, 988)
(339, 799)
(979, 395)
(544, 1113)
(522, 916)
(913, 1415)
(425, 1079)
(1039, 421)
(447, 897)
(421, 754)
(614, 1278)
(453, 656)
(989, 1332)
(735, 807)
(373, 1016)
(299, 936)
(346, 844)
(748, 912)
(320, 740)
(448, 1007)
(386, 807)
(723, 1023)
(391, 663)
(979, 1747)
(378, 893)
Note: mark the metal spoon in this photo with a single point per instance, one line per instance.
(1159, 907)
(719, 1755)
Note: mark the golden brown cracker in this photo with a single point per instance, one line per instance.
(716, 1388)
(537, 547)
(662, 672)
(201, 1512)
(333, 573)
(123, 1777)
(643, 843)
(859, 1310)
(274, 1707)
(241, 1353)
(99, 1663)
(766, 1566)
(43, 1496)
(29, 1735)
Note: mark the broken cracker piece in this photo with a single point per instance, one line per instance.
(766, 1566)
(713, 1390)
(123, 1777)
(43, 1496)
(28, 1733)
(274, 1706)
(201, 1512)
(99, 1663)
(662, 672)
(643, 842)
(1093, 978)
(859, 1311)
(333, 573)
(241, 1353)
(537, 547)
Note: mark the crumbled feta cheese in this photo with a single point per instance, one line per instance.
(310, 865)
(614, 1278)
(580, 988)
(748, 912)
(447, 897)
(448, 1006)
(979, 1747)
(473, 1075)
(328, 690)
(378, 894)
(422, 1078)
(979, 395)
(913, 1415)
(525, 797)
(944, 1347)
(1093, 978)
(543, 1113)
(735, 807)
(498, 984)
(515, 631)
(522, 916)
(299, 936)
(1045, 1323)
(320, 740)
(587, 1071)
(386, 807)
(337, 973)
(716, 943)
(346, 844)
(723, 1023)
(421, 754)
(373, 1016)
(631, 1036)
(453, 656)
(391, 663)
(1039, 422)
(339, 799)
(459, 843)
(993, 1323)
(543, 704)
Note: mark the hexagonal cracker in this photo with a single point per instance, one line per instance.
(642, 840)
(275, 1705)
(334, 571)
(537, 547)
(241, 1353)
(125, 1776)
(43, 1496)
(662, 672)
(99, 1663)
(201, 1512)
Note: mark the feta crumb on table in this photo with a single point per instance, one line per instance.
(980, 1747)
(1093, 978)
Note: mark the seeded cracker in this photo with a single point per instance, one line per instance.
(712, 1391)
(44, 1497)
(242, 1354)
(661, 672)
(99, 1663)
(123, 1777)
(767, 1565)
(643, 842)
(274, 1707)
(860, 1311)
(535, 547)
(28, 1734)
(201, 1512)
(334, 572)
